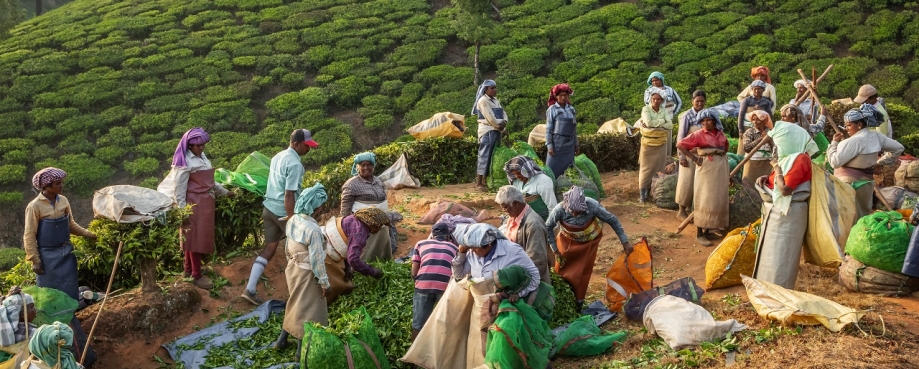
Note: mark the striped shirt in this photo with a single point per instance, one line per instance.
(435, 259)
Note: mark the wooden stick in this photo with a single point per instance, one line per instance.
(102, 306)
(819, 104)
(822, 76)
(814, 76)
(883, 199)
(685, 222)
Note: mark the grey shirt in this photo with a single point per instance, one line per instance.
(594, 210)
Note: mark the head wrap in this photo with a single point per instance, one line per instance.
(194, 136)
(362, 157)
(47, 176)
(713, 115)
(762, 114)
(372, 217)
(657, 91)
(310, 199)
(512, 279)
(52, 341)
(453, 220)
(479, 93)
(801, 82)
(557, 89)
(574, 200)
(800, 119)
(866, 112)
(761, 70)
(523, 164)
(657, 75)
(477, 235)
(13, 305)
(758, 83)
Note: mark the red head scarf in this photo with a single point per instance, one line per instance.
(557, 89)
(761, 70)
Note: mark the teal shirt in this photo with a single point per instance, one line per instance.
(285, 174)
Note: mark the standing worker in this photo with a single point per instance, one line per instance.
(431, 271)
(868, 94)
(688, 123)
(561, 130)
(759, 164)
(307, 281)
(760, 73)
(655, 126)
(580, 235)
(756, 101)
(191, 181)
(707, 149)
(285, 180)
(492, 124)
(853, 158)
(672, 102)
(46, 240)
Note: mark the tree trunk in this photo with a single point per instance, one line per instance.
(147, 268)
(475, 78)
(37, 7)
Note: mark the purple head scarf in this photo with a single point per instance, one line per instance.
(194, 136)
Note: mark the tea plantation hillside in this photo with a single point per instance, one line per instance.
(104, 88)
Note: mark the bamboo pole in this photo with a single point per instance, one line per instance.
(102, 306)
(819, 104)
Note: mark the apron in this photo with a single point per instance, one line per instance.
(578, 244)
(684, 181)
(305, 303)
(651, 159)
(710, 191)
(199, 234)
(379, 245)
(564, 140)
(778, 248)
(56, 254)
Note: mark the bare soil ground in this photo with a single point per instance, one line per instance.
(134, 326)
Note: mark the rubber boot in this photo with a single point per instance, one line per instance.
(682, 213)
(700, 237)
(299, 350)
(281, 343)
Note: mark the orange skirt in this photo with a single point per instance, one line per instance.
(579, 258)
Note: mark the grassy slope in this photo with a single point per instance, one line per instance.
(105, 88)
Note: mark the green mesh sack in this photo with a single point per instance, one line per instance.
(584, 338)
(321, 349)
(880, 240)
(365, 345)
(519, 338)
(822, 143)
(498, 177)
(251, 174)
(523, 148)
(357, 339)
(52, 305)
(575, 177)
(590, 169)
(732, 144)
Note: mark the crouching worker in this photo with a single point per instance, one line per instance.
(306, 275)
(431, 273)
(17, 309)
(50, 348)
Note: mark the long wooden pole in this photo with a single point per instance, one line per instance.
(819, 104)
(102, 306)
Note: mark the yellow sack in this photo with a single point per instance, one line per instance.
(614, 126)
(537, 135)
(797, 308)
(831, 214)
(20, 353)
(734, 256)
(439, 125)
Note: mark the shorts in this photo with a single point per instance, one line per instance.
(422, 307)
(275, 230)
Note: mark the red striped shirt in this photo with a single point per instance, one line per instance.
(435, 271)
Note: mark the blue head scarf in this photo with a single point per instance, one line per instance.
(657, 75)
(866, 112)
(194, 136)
(310, 199)
(758, 83)
(711, 114)
(362, 157)
(479, 93)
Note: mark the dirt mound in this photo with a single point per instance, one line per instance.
(144, 314)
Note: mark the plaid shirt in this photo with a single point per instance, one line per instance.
(360, 189)
(304, 230)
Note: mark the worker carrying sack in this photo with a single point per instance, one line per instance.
(444, 124)
(859, 277)
(880, 239)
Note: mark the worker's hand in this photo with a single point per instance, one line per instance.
(838, 137)
(684, 163)
(231, 194)
(697, 160)
(349, 272)
(762, 180)
(462, 249)
(551, 152)
(627, 248)
(505, 133)
(92, 236)
(38, 268)
(326, 292)
(733, 180)
(378, 275)
(767, 139)
(513, 298)
(823, 109)
(14, 291)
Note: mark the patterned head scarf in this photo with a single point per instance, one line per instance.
(761, 70)
(46, 177)
(758, 83)
(523, 164)
(479, 93)
(713, 115)
(657, 75)
(477, 235)
(762, 115)
(453, 220)
(52, 341)
(866, 112)
(372, 217)
(362, 157)
(310, 199)
(194, 136)
(800, 119)
(13, 305)
(574, 200)
(557, 89)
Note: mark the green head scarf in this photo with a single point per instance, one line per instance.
(362, 157)
(52, 341)
(512, 279)
(310, 199)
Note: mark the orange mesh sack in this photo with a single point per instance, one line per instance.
(629, 274)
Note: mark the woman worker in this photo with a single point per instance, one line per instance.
(793, 114)
(756, 101)
(356, 230)
(365, 190)
(579, 237)
(688, 123)
(760, 163)
(655, 126)
(307, 280)
(853, 158)
(561, 130)
(46, 240)
(492, 121)
(760, 73)
(785, 193)
(526, 176)
(191, 181)
(672, 102)
(707, 148)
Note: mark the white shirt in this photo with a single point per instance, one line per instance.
(865, 142)
(491, 122)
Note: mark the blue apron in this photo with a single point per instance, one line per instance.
(56, 254)
(563, 142)
(911, 262)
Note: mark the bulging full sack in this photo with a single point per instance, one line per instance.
(628, 275)
(859, 277)
(880, 239)
(681, 323)
(734, 256)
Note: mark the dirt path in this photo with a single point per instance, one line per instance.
(675, 256)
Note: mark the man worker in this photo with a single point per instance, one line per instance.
(526, 228)
(869, 94)
(285, 181)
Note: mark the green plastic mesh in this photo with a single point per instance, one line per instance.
(880, 239)
(519, 338)
(575, 177)
(52, 305)
(584, 338)
(498, 177)
(251, 174)
(323, 349)
(590, 169)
